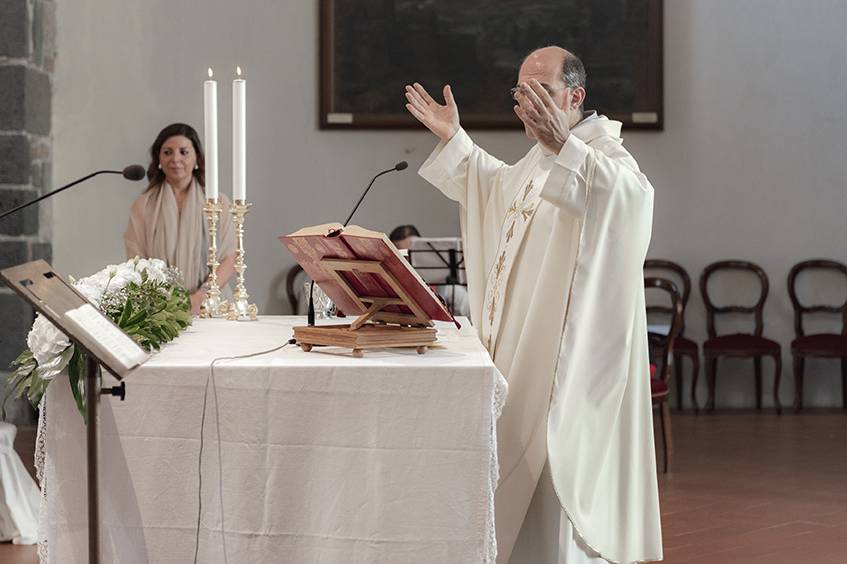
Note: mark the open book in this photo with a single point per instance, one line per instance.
(98, 334)
(347, 289)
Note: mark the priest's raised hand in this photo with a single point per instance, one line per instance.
(443, 120)
(544, 120)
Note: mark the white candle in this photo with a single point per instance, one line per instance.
(239, 138)
(210, 107)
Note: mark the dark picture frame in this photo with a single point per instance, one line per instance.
(369, 49)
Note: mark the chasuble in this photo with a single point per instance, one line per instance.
(554, 247)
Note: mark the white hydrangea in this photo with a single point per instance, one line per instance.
(47, 345)
(156, 269)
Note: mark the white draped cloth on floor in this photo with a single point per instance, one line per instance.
(325, 458)
(18, 493)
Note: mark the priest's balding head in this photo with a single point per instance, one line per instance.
(562, 75)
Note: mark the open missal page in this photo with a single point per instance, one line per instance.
(106, 340)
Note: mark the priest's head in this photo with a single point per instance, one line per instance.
(562, 75)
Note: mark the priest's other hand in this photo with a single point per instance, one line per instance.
(548, 123)
(443, 120)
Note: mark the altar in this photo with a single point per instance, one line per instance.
(303, 457)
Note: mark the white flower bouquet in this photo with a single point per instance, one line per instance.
(143, 297)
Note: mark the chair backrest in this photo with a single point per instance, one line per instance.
(757, 309)
(800, 309)
(665, 343)
(292, 291)
(682, 275)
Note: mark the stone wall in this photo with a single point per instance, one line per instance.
(27, 59)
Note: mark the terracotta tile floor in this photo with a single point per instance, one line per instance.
(750, 487)
(745, 487)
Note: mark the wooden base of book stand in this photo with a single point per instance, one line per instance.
(367, 336)
(376, 328)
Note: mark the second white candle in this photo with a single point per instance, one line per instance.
(239, 138)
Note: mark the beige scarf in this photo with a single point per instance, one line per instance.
(159, 229)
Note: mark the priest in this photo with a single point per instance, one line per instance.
(554, 246)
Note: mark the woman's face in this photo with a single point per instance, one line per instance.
(177, 159)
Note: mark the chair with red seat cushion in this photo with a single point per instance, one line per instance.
(739, 345)
(662, 348)
(820, 345)
(658, 388)
(683, 346)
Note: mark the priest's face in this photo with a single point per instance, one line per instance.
(545, 66)
(177, 159)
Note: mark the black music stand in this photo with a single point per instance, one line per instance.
(441, 262)
(40, 286)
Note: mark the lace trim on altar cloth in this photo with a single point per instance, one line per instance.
(498, 399)
(40, 463)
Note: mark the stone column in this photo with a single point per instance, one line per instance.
(27, 59)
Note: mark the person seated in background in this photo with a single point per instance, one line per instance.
(402, 236)
(454, 296)
(167, 220)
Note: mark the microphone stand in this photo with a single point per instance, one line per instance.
(310, 314)
(57, 190)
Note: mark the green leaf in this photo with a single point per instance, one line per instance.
(11, 384)
(125, 314)
(76, 367)
(136, 319)
(36, 391)
(26, 357)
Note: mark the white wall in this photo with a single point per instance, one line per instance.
(751, 163)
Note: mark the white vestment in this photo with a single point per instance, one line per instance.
(554, 247)
(19, 496)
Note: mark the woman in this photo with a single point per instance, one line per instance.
(167, 220)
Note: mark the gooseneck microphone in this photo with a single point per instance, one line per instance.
(131, 172)
(402, 165)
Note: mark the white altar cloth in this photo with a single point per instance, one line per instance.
(326, 458)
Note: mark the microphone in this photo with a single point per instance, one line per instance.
(402, 165)
(131, 172)
(134, 172)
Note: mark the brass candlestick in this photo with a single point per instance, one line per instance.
(213, 305)
(240, 309)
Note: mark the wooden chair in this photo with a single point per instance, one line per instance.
(683, 347)
(739, 345)
(820, 345)
(292, 289)
(662, 347)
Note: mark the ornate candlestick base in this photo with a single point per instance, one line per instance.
(213, 305)
(240, 309)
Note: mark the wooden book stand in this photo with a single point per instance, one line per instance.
(377, 327)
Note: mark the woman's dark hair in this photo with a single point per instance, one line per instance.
(403, 232)
(155, 175)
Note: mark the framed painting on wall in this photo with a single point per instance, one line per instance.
(370, 49)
